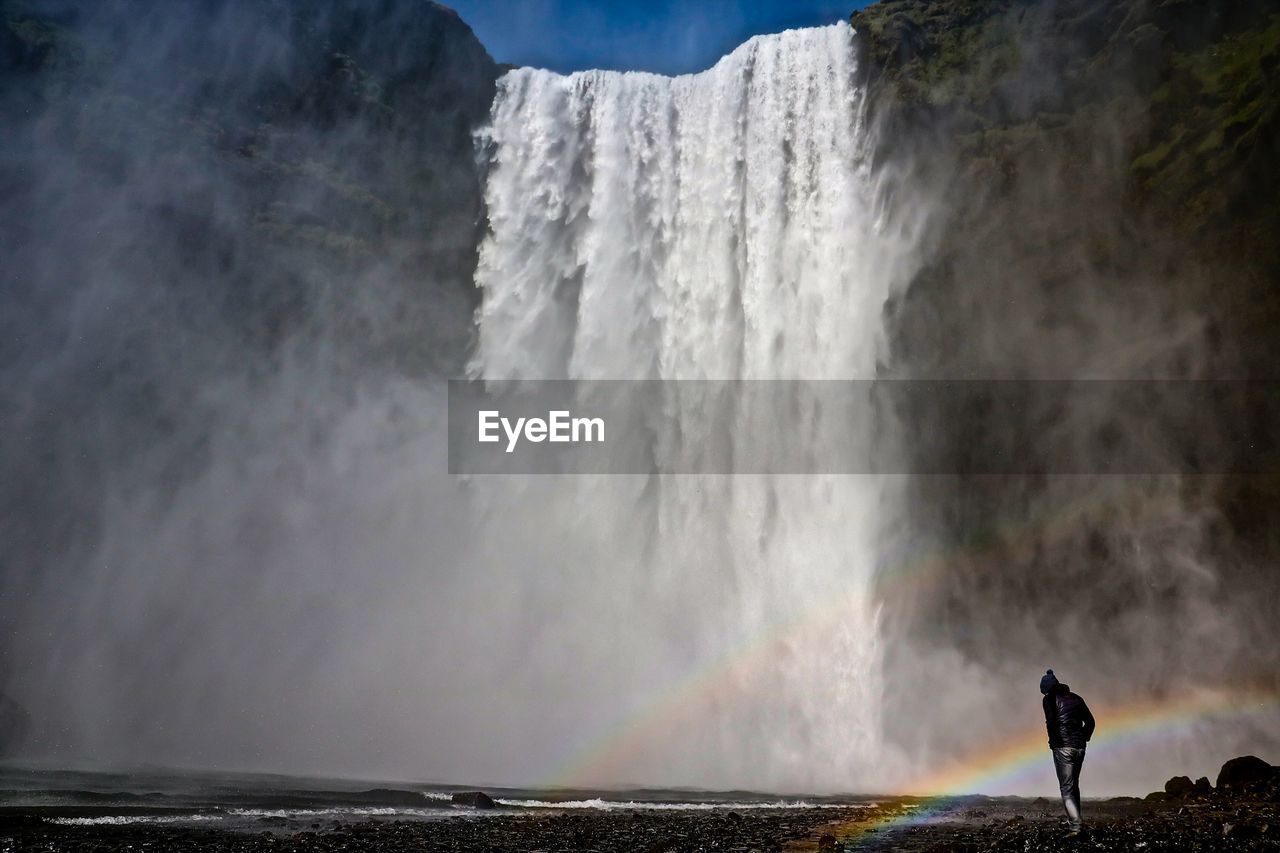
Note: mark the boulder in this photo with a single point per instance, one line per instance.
(474, 799)
(1202, 787)
(388, 797)
(1179, 786)
(1244, 771)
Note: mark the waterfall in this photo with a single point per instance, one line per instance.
(722, 225)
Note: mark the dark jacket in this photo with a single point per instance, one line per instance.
(1067, 718)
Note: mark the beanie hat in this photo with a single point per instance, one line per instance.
(1048, 682)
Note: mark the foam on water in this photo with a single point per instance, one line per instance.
(121, 820)
(601, 804)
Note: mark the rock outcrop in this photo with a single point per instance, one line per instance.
(1179, 786)
(474, 800)
(1245, 771)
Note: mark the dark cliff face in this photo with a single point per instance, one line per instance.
(207, 207)
(251, 150)
(1086, 139)
(1081, 127)
(1103, 177)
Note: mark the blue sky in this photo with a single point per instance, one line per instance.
(666, 36)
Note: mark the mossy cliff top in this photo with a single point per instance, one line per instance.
(1185, 88)
(1120, 131)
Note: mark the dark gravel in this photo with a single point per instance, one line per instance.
(1222, 820)
(605, 832)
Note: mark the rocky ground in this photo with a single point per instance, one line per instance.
(1122, 824)
(1117, 824)
(1240, 812)
(603, 831)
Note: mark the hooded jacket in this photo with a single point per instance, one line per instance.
(1066, 718)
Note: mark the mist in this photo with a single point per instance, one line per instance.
(246, 244)
(238, 239)
(1046, 259)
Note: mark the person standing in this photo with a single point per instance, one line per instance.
(1070, 726)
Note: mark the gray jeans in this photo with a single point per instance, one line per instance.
(1068, 760)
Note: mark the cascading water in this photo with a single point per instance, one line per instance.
(721, 225)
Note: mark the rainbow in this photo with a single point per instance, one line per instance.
(1118, 726)
(693, 696)
(606, 755)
